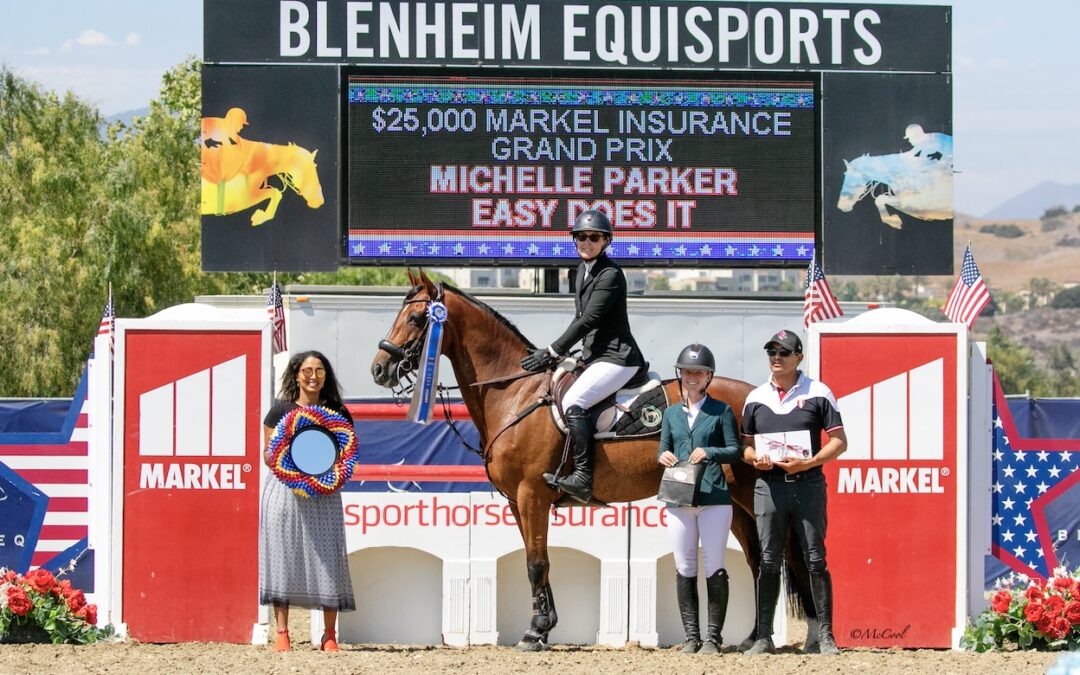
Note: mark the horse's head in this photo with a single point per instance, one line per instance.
(855, 187)
(399, 354)
(304, 176)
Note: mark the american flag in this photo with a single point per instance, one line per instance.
(969, 295)
(1027, 483)
(819, 303)
(57, 464)
(276, 310)
(108, 321)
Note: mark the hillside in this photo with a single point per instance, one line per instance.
(1009, 264)
(1033, 202)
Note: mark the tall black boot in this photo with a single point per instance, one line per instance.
(821, 586)
(579, 484)
(717, 586)
(686, 592)
(767, 592)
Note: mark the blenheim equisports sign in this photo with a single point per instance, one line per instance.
(711, 133)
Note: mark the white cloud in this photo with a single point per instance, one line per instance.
(88, 38)
(132, 39)
(37, 51)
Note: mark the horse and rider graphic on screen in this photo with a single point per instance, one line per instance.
(236, 171)
(916, 182)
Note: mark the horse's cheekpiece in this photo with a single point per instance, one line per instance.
(313, 450)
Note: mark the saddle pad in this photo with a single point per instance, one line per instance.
(643, 419)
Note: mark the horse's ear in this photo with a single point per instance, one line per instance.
(314, 152)
(847, 164)
(413, 279)
(431, 287)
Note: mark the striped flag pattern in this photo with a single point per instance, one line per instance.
(57, 464)
(969, 294)
(276, 309)
(819, 302)
(108, 321)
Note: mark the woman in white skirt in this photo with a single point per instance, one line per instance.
(702, 429)
(302, 555)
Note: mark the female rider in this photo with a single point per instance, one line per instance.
(610, 353)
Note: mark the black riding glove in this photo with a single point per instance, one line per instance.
(538, 361)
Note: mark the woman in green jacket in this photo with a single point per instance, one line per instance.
(702, 429)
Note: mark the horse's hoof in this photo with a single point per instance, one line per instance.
(527, 645)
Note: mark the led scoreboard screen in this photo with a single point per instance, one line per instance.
(494, 170)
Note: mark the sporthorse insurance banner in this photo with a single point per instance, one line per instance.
(190, 455)
(896, 498)
(473, 133)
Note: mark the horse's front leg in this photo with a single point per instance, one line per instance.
(532, 515)
(888, 217)
(260, 216)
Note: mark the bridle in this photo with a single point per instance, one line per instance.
(407, 356)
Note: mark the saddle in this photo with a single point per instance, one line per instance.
(635, 411)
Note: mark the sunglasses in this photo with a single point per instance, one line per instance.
(582, 236)
(779, 352)
(319, 373)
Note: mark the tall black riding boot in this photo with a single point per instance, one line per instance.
(686, 593)
(767, 593)
(717, 586)
(579, 483)
(821, 586)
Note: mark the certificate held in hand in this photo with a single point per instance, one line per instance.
(783, 445)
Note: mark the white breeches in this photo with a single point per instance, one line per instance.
(687, 525)
(600, 380)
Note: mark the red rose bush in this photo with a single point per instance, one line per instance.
(37, 607)
(1030, 614)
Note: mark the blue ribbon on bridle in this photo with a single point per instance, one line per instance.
(423, 402)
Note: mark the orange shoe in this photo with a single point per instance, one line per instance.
(281, 643)
(329, 642)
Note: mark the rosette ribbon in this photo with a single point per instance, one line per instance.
(285, 470)
(423, 401)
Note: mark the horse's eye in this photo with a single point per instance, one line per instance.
(416, 318)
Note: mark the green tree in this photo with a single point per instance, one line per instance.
(53, 201)
(1054, 212)
(1070, 297)
(1014, 365)
(1040, 287)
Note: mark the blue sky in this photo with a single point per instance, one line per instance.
(1016, 93)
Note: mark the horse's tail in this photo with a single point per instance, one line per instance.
(800, 597)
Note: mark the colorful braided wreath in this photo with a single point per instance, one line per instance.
(282, 465)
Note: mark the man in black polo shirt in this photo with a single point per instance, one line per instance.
(782, 423)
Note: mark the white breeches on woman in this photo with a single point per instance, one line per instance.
(599, 380)
(687, 525)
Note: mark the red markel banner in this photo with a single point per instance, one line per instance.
(892, 537)
(191, 484)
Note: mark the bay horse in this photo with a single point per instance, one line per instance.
(235, 176)
(520, 440)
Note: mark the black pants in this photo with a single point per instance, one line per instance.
(779, 505)
(798, 503)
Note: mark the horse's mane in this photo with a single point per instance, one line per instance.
(490, 311)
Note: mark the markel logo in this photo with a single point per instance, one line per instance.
(899, 418)
(201, 415)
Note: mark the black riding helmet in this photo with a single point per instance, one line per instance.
(696, 356)
(592, 221)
